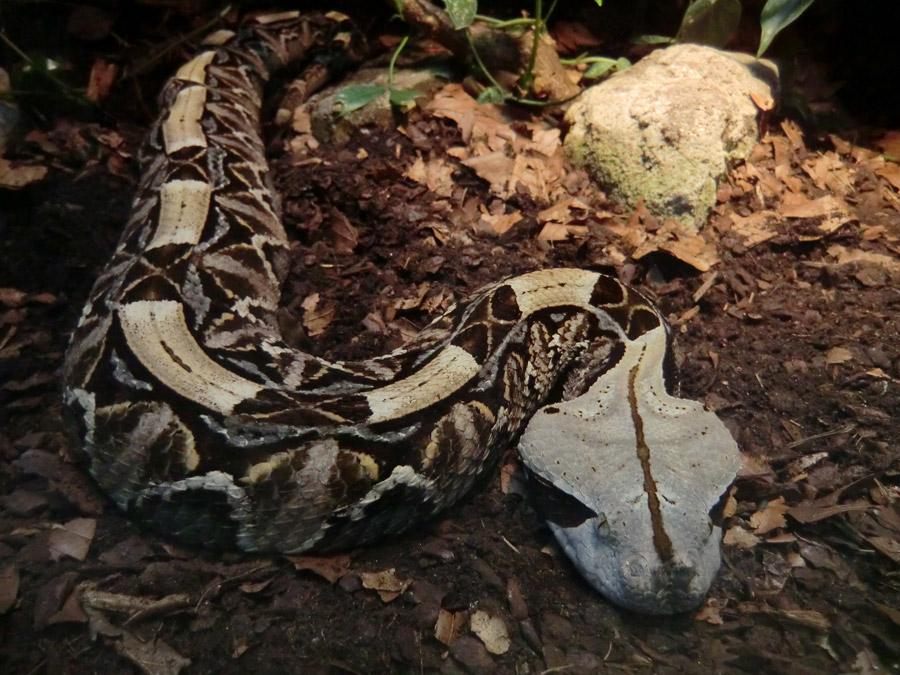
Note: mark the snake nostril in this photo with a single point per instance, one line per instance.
(635, 568)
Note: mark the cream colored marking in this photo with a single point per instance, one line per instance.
(182, 212)
(182, 126)
(157, 333)
(367, 464)
(550, 288)
(278, 16)
(444, 374)
(263, 470)
(220, 37)
(195, 69)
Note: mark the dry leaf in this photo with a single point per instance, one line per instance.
(436, 175)
(331, 568)
(9, 587)
(344, 235)
(103, 74)
(386, 583)
(890, 172)
(690, 248)
(559, 232)
(889, 143)
(762, 101)
(316, 318)
(448, 626)
(153, 657)
(476, 121)
(496, 168)
(811, 513)
(491, 630)
(72, 539)
(837, 355)
(17, 176)
(889, 546)
(847, 256)
(710, 612)
(738, 536)
(501, 223)
(771, 517)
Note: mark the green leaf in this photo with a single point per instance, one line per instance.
(600, 67)
(403, 97)
(461, 12)
(354, 98)
(776, 15)
(710, 22)
(653, 40)
(492, 95)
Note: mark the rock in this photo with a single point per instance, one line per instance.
(472, 655)
(328, 127)
(667, 129)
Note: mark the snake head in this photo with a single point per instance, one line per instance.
(628, 476)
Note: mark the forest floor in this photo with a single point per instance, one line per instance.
(786, 312)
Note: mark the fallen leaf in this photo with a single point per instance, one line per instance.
(710, 612)
(837, 355)
(804, 617)
(891, 173)
(436, 175)
(71, 611)
(153, 656)
(491, 630)
(496, 168)
(501, 223)
(812, 513)
(448, 626)
(9, 587)
(762, 101)
(386, 583)
(847, 256)
(316, 318)
(560, 231)
(345, 237)
(738, 536)
(331, 568)
(103, 74)
(72, 539)
(771, 517)
(12, 297)
(889, 546)
(889, 143)
(17, 176)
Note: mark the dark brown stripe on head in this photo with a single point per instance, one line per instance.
(607, 291)
(661, 541)
(642, 320)
(474, 340)
(504, 305)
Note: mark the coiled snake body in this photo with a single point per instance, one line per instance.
(196, 417)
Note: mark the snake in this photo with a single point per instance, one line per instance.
(198, 419)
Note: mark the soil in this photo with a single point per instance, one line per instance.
(788, 330)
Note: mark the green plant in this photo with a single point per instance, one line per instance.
(713, 22)
(356, 97)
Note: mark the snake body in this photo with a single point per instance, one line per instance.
(196, 417)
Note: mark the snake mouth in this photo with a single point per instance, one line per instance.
(673, 587)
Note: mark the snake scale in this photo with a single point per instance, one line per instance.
(197, 418)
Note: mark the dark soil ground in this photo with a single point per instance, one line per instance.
(791, 335)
